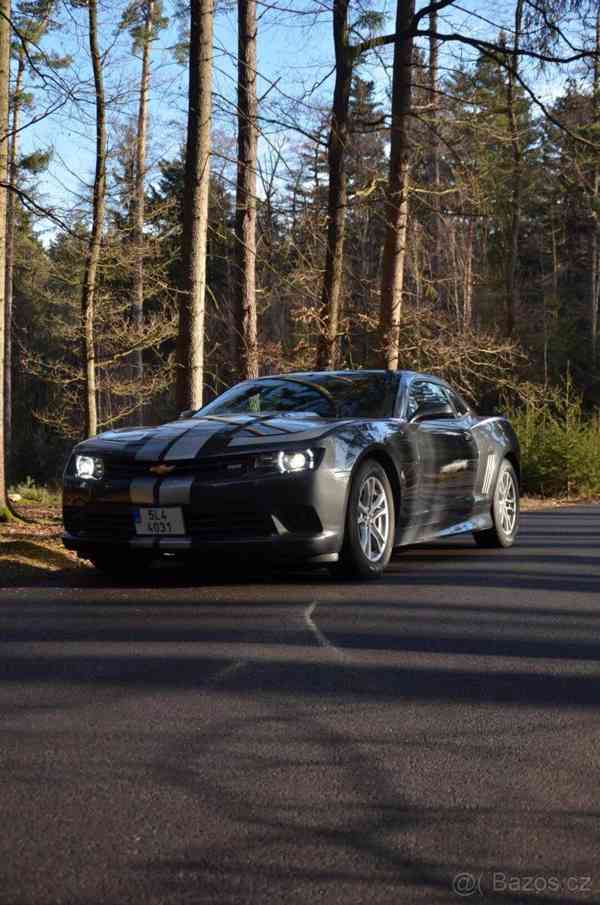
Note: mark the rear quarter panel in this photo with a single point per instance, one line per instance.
(496, 440)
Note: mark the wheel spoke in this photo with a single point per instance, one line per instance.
(379, 535)
(379, 507)
(363, 536)
(373, 551)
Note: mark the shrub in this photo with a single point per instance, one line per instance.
(560, 445)
(31, 492)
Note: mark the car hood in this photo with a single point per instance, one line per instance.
(188, 438)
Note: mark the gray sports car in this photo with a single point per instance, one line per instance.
(334, 467)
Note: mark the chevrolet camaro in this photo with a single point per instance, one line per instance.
(334, 468)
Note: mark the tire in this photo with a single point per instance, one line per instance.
(131, 567)
(368, 545)
(506, 521)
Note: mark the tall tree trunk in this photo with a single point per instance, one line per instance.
(10, 250)
(595, 226)
(4, 98)
(190, 339)
(245, 220)
(88, 295)
(468, 275)
(512, 288)
(337, 200)
(434, 107)
(396, 199)
(139, 197)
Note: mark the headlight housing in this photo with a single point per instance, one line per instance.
(286, 462)
(90, 468)
(296, 461)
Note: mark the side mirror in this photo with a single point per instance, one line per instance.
(429, 411)
(186, 414)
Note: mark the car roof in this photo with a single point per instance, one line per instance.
(356, 372)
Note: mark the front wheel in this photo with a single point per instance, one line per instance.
(505, 511)
(370, 524)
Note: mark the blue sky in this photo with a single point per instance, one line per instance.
(295, 57)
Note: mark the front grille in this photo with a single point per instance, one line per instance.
(229, 524)
(126, 470)
(117, 523)
(232, 466)
(114, 522)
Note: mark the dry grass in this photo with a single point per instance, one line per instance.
(24, 561)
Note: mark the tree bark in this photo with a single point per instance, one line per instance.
(468, 275)
(88, 295)
(396, 199)
(190, 339)
(595, 225)
(337, 192)
(434, 105)
(4, 136)
(512, 289)
(10, 252)
(245, 222)
(139, 198)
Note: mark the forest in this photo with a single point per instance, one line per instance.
(192, 193)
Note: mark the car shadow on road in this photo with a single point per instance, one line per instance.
(572, 537)
(419, 565)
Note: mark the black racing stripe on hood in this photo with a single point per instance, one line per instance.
(175, 440)
(221, 439)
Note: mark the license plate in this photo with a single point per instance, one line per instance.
(159, 521)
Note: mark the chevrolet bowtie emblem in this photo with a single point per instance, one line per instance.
(162, 469)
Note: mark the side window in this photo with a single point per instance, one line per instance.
(421, 391)
(459, 403)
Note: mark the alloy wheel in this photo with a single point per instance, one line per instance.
(373, 518)
(507, 502)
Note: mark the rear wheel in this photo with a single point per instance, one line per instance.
(370, 524)
(505, 510)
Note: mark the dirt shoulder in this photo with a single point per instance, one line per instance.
(534, 503)
(31, 551)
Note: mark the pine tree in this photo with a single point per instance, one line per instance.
(4, 99)
(190, 341)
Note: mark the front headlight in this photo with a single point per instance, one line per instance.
(89, 467)
(286, 462)
(296, 461)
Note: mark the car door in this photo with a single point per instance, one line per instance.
(447, 457)
(465, 421)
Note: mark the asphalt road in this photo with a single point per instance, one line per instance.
(292, 740)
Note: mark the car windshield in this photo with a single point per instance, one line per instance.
(368, 395)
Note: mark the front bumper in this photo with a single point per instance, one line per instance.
(289, 517)
(322, 548)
